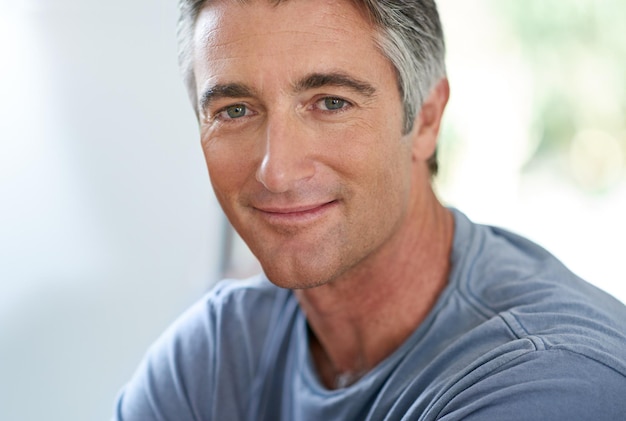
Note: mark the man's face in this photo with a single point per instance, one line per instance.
(301, 126)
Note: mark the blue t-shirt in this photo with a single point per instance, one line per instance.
(514, 336)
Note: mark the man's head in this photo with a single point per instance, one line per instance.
(409, 34)
(304, 134)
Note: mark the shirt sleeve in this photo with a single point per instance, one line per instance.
(551, 384)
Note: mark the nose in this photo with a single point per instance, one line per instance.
(286, 156)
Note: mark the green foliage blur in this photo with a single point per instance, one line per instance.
(576, 52)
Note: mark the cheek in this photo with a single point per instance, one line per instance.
(376, 153)
(387, 176)
(228, 169)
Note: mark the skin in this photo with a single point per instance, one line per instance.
(301, 127)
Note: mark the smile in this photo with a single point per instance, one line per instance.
(296, 215)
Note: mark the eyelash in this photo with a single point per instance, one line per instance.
(346, 104)
(222, 115)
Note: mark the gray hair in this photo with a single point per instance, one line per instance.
(410, 36)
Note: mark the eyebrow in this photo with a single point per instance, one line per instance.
(312, 81)
(227, 90)
(320, 80)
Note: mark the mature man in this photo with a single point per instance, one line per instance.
(319, 122)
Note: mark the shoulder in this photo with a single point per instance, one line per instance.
(490, 262)
(574, 332)
(506, 277)
(215, 342)
(238, 301)
(230, 310)
(553, 384)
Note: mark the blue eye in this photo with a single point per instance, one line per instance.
(331, 103)
(236, 111)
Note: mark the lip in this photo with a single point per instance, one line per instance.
(294, 215)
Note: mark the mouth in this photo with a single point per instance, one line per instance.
(295, 215)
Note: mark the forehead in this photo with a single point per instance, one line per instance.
(293, 35)
(270, 16)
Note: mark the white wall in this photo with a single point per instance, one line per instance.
(108, 226)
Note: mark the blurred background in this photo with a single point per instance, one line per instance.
(108, 226)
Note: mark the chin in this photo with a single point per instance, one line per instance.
(289, 279)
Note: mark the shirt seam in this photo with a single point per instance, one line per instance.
(545, 350)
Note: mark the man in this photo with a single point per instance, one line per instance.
(319, 122)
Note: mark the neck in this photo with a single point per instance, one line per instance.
(359, 319)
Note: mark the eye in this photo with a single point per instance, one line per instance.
(234, 111)
(332, 104)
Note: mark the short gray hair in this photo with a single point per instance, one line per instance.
(410, 36)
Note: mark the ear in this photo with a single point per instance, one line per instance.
(428, 121)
